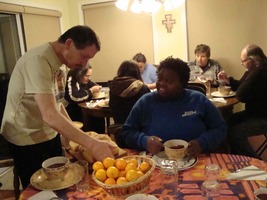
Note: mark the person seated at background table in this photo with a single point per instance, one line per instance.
(203, 66)
(251, 90)
(148, 71)
(80, 88)
(173, 112)
(125, 89)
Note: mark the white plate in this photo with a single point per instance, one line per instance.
(141, 197)
(218, 94)
(102, 95)
(103, 103)
(182, 165)
(40, 181)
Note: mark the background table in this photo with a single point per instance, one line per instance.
(189, 182)
(95, 112)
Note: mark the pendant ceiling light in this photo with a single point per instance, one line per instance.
(148, 6)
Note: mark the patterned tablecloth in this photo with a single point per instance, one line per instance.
(189, 182)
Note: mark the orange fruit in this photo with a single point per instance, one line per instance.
(122, 173)
(101, 175)
(120, 164)
(110, 181)
(108, 162)
(98, 165)
(130, 166)
(131, 175)
(139, 173)
(121, 180)
(144, 166)
(112, 172)
(134, 161)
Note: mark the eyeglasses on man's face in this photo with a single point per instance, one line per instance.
(245, 60)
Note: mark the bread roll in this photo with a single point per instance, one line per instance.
(87, 153)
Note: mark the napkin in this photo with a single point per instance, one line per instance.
(44, 195)
(248, 173)
(218, 99)
(92, 103)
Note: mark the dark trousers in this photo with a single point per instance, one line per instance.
(28, 159)
(96, 124)
(242, 126)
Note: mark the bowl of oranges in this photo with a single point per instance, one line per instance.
(123, 176)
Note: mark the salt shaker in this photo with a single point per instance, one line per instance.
(211, 187)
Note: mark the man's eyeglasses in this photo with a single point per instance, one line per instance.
(244, 61)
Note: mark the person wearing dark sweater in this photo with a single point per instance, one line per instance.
(174, 112)
(80, 88)
(125, 89)
(251, 90)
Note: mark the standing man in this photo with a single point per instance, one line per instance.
(148, 71)
(251, 90)
(34, 114)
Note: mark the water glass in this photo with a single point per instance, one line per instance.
(211, 187)
(211, 190)
(169, 176)
(83, 184)
(208, 86)
(194, 72)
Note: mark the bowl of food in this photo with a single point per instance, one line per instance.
(176, 149)
(56, 167)
(224, 90)
(260, 194)
(133, 176)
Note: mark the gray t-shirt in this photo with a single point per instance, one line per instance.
(36, 72)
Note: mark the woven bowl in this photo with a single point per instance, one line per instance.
(129, 188)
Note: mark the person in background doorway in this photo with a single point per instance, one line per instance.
(251, 90)
(34, 115)
(148, 71)
(204, 68)
(79, 88)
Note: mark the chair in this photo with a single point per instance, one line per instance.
(114, 131)
(197, 86)
(262, 147)
(7, 161)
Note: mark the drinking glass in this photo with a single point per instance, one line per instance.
(83, 184)
(208, 86)
(194, 72)
(169, 176)
(211, 187)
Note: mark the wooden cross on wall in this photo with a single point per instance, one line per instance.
(168, 22)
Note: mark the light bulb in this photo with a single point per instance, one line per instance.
(168, 5)
(177, 3)
(136, 7)
(122, 4)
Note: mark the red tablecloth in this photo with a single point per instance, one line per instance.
(189, 182)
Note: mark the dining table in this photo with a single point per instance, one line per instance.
(190, 180)
(224, 103)
(95, 111)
